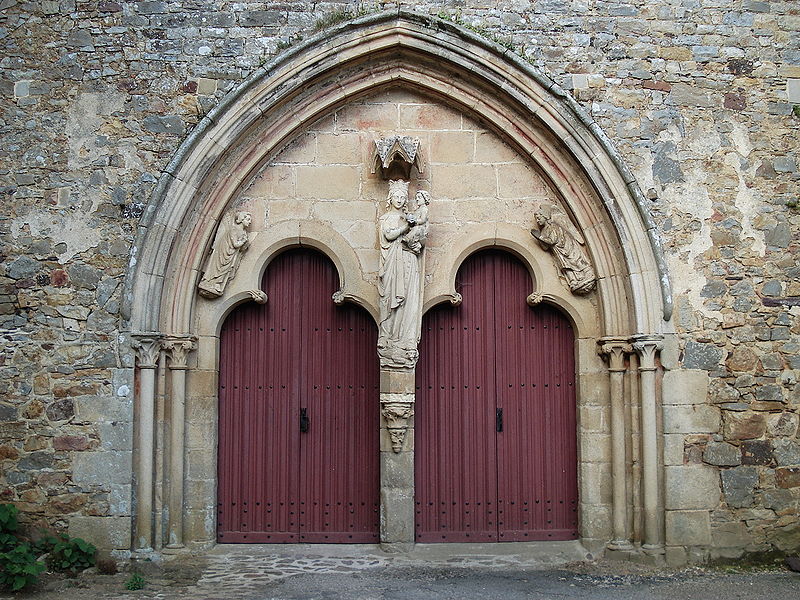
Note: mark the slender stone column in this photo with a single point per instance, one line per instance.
(614, 349)
(646, 347)
(148, 349)
(178, 348)
(397, 460)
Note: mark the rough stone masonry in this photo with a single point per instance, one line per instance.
(700, 97)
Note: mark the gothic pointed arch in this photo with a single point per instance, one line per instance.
(258, 119)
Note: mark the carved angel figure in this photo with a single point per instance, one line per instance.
(557, 234)
(230, 242)
(400, 283)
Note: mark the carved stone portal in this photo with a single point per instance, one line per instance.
(397, 415)
(403, 232)
(558, 235)
(230, 242)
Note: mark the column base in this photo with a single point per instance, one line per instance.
(174, 549)
(621, 545)
(653, 549)
(397, 547)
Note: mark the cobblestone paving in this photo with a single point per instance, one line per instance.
(365, 573)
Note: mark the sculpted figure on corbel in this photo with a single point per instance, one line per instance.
(558, 235)
(397, 410)
(403, 231)
(231, 241)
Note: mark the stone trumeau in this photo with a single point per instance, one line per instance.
(639, 159)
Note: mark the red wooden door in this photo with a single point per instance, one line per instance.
(495, 439)
(298, 413)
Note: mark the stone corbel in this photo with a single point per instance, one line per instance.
(340, 297)
(397, 411)
(258, 296)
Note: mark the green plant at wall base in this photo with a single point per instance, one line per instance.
(44, 543)
(796, 110)
(71, 555)
(19, 567)
(136, 582)
(8, 526)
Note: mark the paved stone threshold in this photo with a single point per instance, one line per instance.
(245, 566)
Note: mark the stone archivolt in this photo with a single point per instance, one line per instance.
(540, 125)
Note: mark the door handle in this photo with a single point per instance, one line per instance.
(499, 420)
(304, 422)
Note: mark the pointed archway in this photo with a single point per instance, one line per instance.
(255, 122)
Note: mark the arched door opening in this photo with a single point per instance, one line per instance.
(496, 455)
(298, 413)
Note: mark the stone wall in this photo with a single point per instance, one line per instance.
(700, 98)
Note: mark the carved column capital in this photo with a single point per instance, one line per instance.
(646, 347)
(397, 410)
(178, 348)
(147, 347)
(614, 349)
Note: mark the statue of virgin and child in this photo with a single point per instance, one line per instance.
(403, 232)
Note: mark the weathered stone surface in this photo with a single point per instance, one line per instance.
(757, 452)
(699, 111)
(742, 359)
(685, 386)
(729, 535)
(688, 527)
(738, 485)
(787, 477)
(107, 533)
(691, 419)
(702, 356)
(722, 454)
(786, 539)
(691, 487)
(60, 410)
(787, 452)
(779, 500)
(70, 442)
(743, 426)
(101, 468)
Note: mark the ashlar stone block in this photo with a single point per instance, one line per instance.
(691, 487)
(331, 182)
(685, 386)
(691, 419)
(107, 533)
(452, 147)
(463, 181)
(102, 468)
(688, 527)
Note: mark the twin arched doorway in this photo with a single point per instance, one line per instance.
(298, 413)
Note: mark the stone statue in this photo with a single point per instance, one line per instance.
(400, 277)
(418, 217)
(229, 244)
(557, 234)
